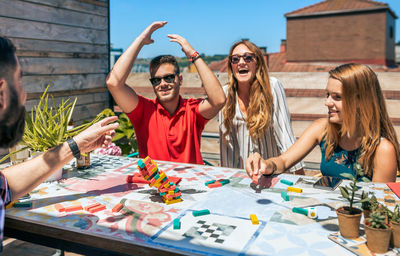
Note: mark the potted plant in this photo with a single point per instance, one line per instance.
(395, 224)
(368, 204)
(47, 125)
(377, 231)
(349, 216)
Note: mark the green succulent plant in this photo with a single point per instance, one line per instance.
(377, 219)
(349, 192)
(46, 125)
(396, 214)
(125, 136)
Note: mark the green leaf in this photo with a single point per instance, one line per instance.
(344, 192)
(348, 176)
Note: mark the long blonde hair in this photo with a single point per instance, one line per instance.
(364, 109)
(260, 109)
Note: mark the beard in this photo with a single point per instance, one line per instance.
(13, 122)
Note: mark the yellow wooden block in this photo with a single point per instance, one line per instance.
(297, 190)
(171, 192)
(159, 180)
(254, 219)
(11, 204)
(167, 185)
(173, 201)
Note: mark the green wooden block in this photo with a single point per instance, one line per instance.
(285, 196)
(300, 210)
(23, 204)
(141, 164)
(209, 182)
(287, 182)
(224, 182)
(200, 213)
(177, 224)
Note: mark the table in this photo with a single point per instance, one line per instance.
(145, 225)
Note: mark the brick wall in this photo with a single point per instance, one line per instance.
(359, 37)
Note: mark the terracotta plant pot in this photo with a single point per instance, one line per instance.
(395, 238)
(349, 224)
(377, 238)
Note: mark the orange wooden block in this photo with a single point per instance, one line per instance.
(59, 207)
(92, 206)
(215, 185)
(117, 207)
(97, 208)
(73, 208)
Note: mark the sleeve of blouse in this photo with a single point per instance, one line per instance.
(282, 127)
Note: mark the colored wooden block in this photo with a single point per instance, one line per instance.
(255, 178)
(11, 204)
(287, 182)
(293, 189)
(215, 185)
(299, 210)
(59, 207)
(97, 208)
(254, 219)
(285, 196)
(171, 192)
(201, 213)
(175, 180)
(73, 208)
(224, 181)
(173, 201)
(209, 182)
(91, 206)
(26, 204)
(159, 180)
(177, 224)
(141, 164)
(117, 207)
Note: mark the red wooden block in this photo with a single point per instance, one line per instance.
(175, 180)
(59, 207)
(215, 185)
(97, 208)
(73, 208)
(92, 206)
(117, 207)
(129, 178)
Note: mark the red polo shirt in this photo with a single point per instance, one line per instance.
(171, 138)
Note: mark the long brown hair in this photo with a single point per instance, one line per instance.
(260, 109)
(364, 109)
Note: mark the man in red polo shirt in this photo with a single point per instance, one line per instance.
(168, 127)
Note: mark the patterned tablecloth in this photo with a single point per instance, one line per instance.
(226, 231)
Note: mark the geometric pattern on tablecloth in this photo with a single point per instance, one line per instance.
(212, 232)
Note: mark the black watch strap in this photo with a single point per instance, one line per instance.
(74, 148)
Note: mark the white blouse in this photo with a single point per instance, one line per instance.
(238, 145)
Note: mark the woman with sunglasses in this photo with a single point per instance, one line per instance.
(357, 130)
(255, 117)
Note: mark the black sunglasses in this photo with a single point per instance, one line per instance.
(247, 57)
(167, 78)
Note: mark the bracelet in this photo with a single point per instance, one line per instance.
(74, 148)
(194, 57)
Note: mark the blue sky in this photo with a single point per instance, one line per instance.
(210, 26)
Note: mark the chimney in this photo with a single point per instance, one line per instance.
(263, 50)
(283, 45)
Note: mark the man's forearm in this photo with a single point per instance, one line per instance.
(212, 86)
(122, 68)
(24, 177)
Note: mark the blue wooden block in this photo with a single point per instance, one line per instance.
(177, 224)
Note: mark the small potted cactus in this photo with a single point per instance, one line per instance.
(378, 232)
(395, 224)
(349, 216)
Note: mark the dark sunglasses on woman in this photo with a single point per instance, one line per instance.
(167, 78)
(247, 57)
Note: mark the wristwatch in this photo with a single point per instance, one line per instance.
(74, 148)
